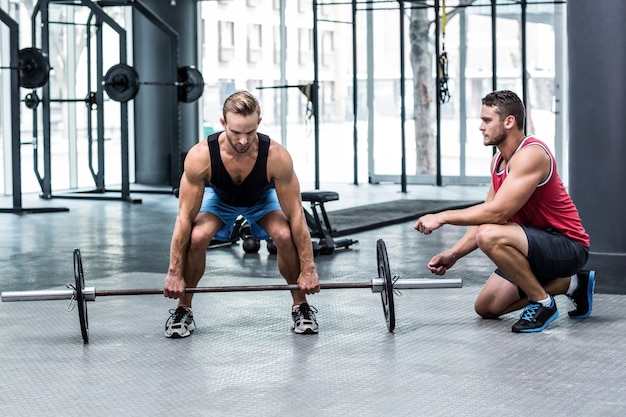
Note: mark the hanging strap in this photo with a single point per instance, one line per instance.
(444, 91)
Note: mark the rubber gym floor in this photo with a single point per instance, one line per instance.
(243, 359)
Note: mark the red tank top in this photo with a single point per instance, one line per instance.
(550, 206)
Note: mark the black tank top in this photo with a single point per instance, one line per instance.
(252, 187)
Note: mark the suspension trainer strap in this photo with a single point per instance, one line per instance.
(444, 92)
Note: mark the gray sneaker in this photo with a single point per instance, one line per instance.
(303, 319)
(180, 323)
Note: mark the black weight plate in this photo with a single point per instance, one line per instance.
(386, 294)
(79, 282)
(34, 68)
(191, 84)
(121, 82)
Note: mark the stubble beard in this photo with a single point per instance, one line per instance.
(496, 140)
(237, 148)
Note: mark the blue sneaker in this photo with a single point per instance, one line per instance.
(535, 317)
(582, 297)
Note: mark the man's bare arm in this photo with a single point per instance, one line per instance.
(526, 171)
(288, 192)
(190, 196)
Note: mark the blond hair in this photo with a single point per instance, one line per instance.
(241, 102)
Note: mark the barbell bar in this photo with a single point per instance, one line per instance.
(383, 284)
(32, 100)
(121, 82)
(33, 67)
(90, 293)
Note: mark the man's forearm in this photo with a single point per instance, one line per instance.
(466, 244)
(302, 240)
(180, 242)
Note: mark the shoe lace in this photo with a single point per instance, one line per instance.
(305, 311)
(177, 315)
(529, 312)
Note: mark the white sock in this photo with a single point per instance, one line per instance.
(573, 284)
(547, 302)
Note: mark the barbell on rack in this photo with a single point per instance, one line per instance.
(32, 100)
(33, 67)
(121, 82)
(384, 284)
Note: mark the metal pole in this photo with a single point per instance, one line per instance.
(71, 119)
(315, 99)
(523, 52)
(283, 72)
(89, 114)
(47, 152)
(560, 91)
(371, 119)
(494, 55)
(438, 180)
(402, 102)
(462, 91)
(355, 80)
(100, 183)
(16, 157)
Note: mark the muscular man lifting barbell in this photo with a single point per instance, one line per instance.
(249, 175)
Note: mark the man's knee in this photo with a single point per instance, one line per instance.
(282, 237)
(491, 237)
(484, 310)
(499, 296)
(200, 238)
(487, 237)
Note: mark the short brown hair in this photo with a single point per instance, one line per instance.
(241, 102)
(507, 103)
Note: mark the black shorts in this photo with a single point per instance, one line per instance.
(552, 255)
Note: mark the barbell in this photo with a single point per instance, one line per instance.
(32, 100)
(33, 67)
(121, 82)
(384, 284)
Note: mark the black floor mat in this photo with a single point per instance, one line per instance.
(372, 216)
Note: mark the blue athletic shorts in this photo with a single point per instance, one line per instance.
(552, 255)
(211, 203)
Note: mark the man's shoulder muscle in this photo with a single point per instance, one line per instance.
(198, 161)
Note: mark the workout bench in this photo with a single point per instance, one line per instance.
(316, 219)
(319, 224)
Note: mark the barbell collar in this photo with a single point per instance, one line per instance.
(89, 293)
